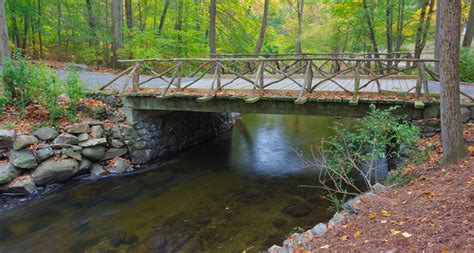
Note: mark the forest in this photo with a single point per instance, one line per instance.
(100, 32)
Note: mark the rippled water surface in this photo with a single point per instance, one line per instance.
(223, 197)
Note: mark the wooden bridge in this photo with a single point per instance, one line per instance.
(291, 82)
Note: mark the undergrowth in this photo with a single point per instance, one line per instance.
(350, 162)
(24, 84)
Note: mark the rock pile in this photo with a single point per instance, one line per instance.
(48, 157)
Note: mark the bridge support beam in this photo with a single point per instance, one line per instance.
(270, 105)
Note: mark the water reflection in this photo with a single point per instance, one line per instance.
(222, 197)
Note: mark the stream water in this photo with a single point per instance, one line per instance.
(222, 197)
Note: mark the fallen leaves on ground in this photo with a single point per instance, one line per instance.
(432, 213)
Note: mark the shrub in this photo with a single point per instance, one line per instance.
(25, 83)
(466, 65)
(17, 76)
(350, 160)
(74, 90)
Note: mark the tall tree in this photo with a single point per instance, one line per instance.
(5, 47)
(263, 28)
(437, 49)
(212, 27)
(370, 25)
(117, 29)
(299, 10)
(423, 26)
(163, 16)
(59, 28)
(467, 41)
(40, 30)
(388, 26)
(129, 14)
(179, 25)
(451, 127)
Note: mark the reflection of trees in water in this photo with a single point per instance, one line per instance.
(244, 132)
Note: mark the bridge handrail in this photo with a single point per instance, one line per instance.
(278, 59)
(409, 54)
(253, 71)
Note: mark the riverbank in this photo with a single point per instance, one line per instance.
(432, 212)
(98, 141)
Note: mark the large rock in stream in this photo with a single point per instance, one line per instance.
(296, 208)
(7, 137)
(94, 153)
(52, 171)
(8, 172)
(21, 185)
(23, 159)
(46, 133)
(66, 138)
(24, 141)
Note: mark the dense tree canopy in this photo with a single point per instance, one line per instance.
(82, 30)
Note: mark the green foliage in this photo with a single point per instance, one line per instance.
(3, 101)
(466, 65)
(351, 155)
(75, 91)
(70, 34)
(8, 126)
(17, 76)
(26, 83)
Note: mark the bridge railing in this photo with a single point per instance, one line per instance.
(267, 74)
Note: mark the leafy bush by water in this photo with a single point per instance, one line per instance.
(356, 153)
(25, 83)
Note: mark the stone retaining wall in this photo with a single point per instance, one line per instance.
(429, 119)
(49, 156)
(160, 137)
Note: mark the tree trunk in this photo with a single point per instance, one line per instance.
(140, 16)
(372, 37)
(25, 33)
(400, 16)
(388, 27)
(155, 13)
(451, 127)
(467, 41)
(263, 28)
(163, 16)
(437, 36)
(40, 31)
(92, 23)
(129, 14)
(212, 27)
(178, 25)
(423, 27)
(117, 30)
(59, 28)
(300, 9)
(5, 48)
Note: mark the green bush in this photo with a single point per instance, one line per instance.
(25, 83)
(353, 155)
(75, 91)
(17, 76)
(466, 65)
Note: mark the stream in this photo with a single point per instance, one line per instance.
(237, 194)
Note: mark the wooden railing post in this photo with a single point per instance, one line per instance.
(218, 76)
(136, 76)
(424, 80)
(260, 77)
(355, 93)
(419, 80)
(180, 75)
(308, 76)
